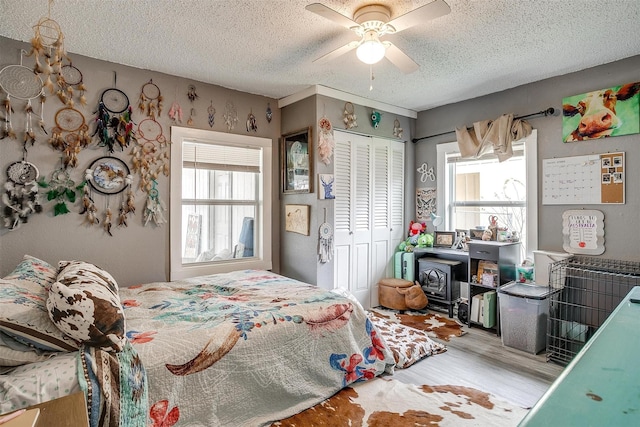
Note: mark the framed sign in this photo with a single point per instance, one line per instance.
(583, 231)
(297, 219)
(296, 161)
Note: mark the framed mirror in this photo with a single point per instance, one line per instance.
(296, 161)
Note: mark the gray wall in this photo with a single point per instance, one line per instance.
(135, 254)
(622, 239)
(299, 253)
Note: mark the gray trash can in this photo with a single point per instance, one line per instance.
(524, 309)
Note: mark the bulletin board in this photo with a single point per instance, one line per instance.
(592, 179)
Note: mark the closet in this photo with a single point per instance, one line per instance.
(368, 211)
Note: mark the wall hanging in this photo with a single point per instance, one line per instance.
(326, 187)
(325, 240)
(426, 172)
(397, 130)
(113, 120)
(212, 114)
(251, 123)
(175, 112)
(70, 135)
(108, 176)
(349, 116)
(269, 113)
(582, 115)
(230, 116)
(70, 83)
(296, 161)
(21, 197)
(19, 82)
(150, 100)
(375, 119)
(61, 188)
(583, 231)
(297, 219)
(326, 142)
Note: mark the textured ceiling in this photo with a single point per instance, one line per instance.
(268, 47)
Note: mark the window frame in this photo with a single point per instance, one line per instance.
(531, 160)
(262, 258)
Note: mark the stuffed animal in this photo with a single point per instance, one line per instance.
(414, 297)
(416, 228)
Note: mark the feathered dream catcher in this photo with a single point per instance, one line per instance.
(114, 125)
(150, 158)
(20, 198)
(150, 101)
(70, 135)
(47, 46)
(230, 116)
(325, 240)
(61, 188)
(211, 111)
(349, 116)
(326, 143)
(108, 176)
(20, 82)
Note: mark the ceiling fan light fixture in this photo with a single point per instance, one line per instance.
(371, 50)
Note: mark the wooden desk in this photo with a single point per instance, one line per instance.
(67, 411)
(601, 385)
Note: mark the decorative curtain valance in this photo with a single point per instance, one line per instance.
(496, 134)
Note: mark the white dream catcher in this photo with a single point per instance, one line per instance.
(326, 143)
(230, 116)
(20, 82)
(349, 116)
(325, 240)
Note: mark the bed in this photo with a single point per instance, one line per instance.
(241, 348)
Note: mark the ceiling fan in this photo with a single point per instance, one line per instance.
(370, 23)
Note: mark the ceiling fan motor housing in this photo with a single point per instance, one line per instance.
(373, 17)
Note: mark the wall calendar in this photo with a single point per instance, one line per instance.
(591, 179)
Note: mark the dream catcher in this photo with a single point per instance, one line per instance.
(61, 188)
(113, 120)
(326, 143)
(230, 116)
(349, 116)
(150, 159)
(20, 82)
(175, 112)
(251, 123)
(325, 240)
(397, 130)
(70, 84)
(70, 135)
(212, 115)
(150, 101)
(21, 197)
(108, 176)
(47, 46)
(269, 113)
(154, 207)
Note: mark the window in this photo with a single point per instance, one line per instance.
(220, 202)
(470, 191)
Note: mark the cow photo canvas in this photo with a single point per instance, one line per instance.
(602, 113)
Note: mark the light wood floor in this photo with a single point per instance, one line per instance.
(479, 360)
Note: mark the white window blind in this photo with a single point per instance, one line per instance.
(221, 157)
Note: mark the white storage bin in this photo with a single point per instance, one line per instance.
(542, 261)
(524, 309)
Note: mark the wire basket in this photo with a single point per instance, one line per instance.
(587, 289)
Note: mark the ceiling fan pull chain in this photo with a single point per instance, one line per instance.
(370, 77)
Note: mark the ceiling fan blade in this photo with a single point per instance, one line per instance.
(429, 11)
(331, 15)
(338, 52)
(400, 59)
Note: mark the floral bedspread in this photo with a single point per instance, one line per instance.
(246, 348)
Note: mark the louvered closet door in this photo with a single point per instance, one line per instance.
(352, 170)
(368, 212)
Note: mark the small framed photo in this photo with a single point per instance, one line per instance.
(475, 233)
(444, 238)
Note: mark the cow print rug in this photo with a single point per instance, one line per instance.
(387, 402)
(436, 325)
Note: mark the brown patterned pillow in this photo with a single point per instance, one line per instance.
(84, 304)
